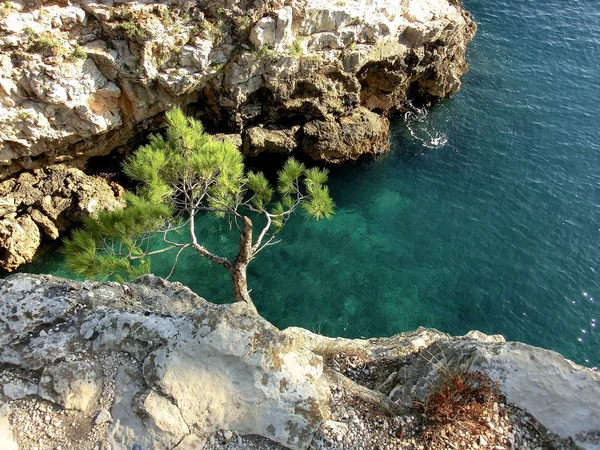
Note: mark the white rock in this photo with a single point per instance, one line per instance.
(196, 55)
(19, 389)
(74, 385)
(562, 395)
(7, 441)
(263, 32)
(103, 416)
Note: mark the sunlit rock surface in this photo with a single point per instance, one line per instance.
(80, 78)
(150, 363)
(43, 202)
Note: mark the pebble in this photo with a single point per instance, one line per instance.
(103, 416)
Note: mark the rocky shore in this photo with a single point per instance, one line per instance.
(150, 365)
(80, 79)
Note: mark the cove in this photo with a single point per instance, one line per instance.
(484, 215)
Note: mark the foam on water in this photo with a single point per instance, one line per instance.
(421, 129)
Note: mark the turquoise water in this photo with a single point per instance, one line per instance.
(485, 214)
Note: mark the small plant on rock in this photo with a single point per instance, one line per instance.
(296, 48)
(133, 30)
(44, 43)
(266, 52)
(5, 9)
(216, 65)
(77, 53)
(459, 406)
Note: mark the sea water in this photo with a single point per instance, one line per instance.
(484, 215)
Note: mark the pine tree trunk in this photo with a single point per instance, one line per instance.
(240, 283)
(238, 268)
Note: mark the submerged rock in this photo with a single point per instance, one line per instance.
(149, 364)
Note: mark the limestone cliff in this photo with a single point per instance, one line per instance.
(150, 365)
(79, 78)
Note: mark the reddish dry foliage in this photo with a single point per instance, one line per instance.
(461, 402)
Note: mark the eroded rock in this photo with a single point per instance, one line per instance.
(361, 132)
(197, 365)
(259, 139)
(73, 385)
(19, 240)
(151, 364)
(44, 202)
(80, 78)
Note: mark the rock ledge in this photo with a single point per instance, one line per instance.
(150, 365)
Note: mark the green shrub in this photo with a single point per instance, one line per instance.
(296, 48)
(44, 43)
(133, 30)
(267, 51)
(77, 53)
(313, 59)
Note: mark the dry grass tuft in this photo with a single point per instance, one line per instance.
(460, 406)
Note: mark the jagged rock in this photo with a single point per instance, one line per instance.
(19, 240)
(19, 389)
(73, 385)
(103, 416)
(199, 373)
(259, 139)
(349, 137)
(80, 78)
(49, 200)
(165, 422)
(45, 224)
(234, 139)
(7, 206)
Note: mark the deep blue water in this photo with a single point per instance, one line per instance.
(485, 214)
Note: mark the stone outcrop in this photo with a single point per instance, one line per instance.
(43, 202)
(149, 364)
(80, 78)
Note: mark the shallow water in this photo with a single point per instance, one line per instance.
(485, 214)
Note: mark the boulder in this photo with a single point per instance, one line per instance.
(73, 385)
(361, 132)
(259, 139)
(149, 364)
(19, 240)
(49, 201)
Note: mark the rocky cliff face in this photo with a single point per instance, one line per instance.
(150, 365)
(80, 78)
(44, 202)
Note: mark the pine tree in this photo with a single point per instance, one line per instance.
(183, 175)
